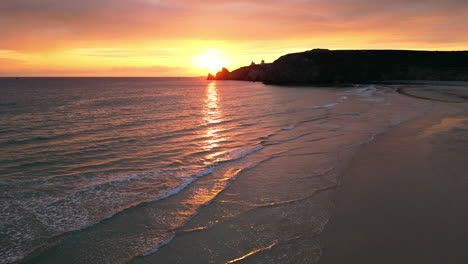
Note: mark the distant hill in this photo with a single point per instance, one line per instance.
(322, 66)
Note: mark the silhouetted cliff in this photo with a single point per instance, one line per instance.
(358, 66)
(224, 74)
(248, 73)
(210, 77)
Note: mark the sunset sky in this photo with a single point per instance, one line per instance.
(190, 38)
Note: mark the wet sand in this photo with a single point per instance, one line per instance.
(442, 93)
(405, 197)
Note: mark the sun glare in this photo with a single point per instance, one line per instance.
(210, 61)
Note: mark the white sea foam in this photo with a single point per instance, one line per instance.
(289, 128)
(235, 154)
(184, 185)
(162, 244)
(232, 175)
(341, 100)
(324, 106)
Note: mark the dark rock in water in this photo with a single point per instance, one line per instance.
(224, 74)
(210, 77)
(322, 66)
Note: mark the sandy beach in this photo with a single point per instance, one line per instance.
(404, 198)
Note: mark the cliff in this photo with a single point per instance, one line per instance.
(321, 66)
(252, 73)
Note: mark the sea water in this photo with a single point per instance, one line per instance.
(111, 170)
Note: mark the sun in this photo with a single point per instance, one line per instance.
(211, 60)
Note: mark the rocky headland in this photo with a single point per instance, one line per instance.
(323, 66)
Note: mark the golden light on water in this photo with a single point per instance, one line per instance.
(212, 116)
(212, 103)
(212, 139)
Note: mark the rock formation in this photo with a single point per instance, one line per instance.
(224, 74)
(210, 77)
(255, 72)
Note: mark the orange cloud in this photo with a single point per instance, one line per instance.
(95, 36)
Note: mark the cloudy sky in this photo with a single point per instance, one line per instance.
(189, 38)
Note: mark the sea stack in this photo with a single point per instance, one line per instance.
(223, 74)
(210, 77)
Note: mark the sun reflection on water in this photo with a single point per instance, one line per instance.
(212, 115)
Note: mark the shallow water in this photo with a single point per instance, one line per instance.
(108, 170)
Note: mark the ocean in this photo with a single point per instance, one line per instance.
(178, 170)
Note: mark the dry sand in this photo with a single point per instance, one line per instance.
(405, 197)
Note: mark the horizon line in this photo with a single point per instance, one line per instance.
(102, 76)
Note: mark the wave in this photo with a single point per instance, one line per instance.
(162, 244)
(290, 127)
(264, 139)
(184, 185)
(324, 106)
(265, 143)
(235, 154)
(341, 100)
(225, 180)
(108, 188)
(84, 185)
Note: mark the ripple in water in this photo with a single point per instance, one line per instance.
(129, 163)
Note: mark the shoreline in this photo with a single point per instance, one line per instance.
(262, 216)
(448, 92)
(404, 197)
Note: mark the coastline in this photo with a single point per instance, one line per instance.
(278, 200)
(403, 199)
(323, 66)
